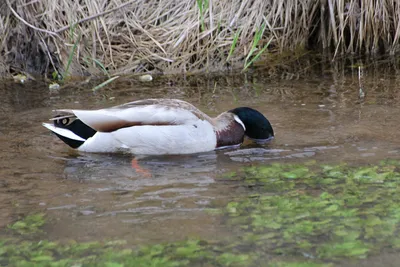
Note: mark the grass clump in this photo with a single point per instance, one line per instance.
(321, 212)
(190, 36)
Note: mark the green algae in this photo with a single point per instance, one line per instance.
(185, 253)
(291, 215)
(300, 264)
(20, 249)
(324, 212)
(29, 225)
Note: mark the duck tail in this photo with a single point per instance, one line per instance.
(73, 134)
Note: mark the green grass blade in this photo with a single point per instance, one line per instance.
(202, 5)
(98, 63)
(257, 56)
(86, 60)
(256, 40)
(104, 83)
(102, 67)
(233, 46)
(72, 52)
(70, 57)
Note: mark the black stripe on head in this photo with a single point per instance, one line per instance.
(76, 126)
(71, 142)
(257, 126)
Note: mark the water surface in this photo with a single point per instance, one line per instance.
(328, 117)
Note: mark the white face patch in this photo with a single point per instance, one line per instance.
(239, 121)
(63, 132)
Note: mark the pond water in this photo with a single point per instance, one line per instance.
(327, 116)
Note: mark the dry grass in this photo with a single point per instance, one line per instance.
(172, 36)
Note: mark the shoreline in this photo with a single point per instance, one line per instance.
(109, 38)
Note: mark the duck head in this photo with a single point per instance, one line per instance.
(257, 126)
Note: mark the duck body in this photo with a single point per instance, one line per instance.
(155, 127)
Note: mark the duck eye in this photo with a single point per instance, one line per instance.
(62, 122)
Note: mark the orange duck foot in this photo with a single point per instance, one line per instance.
(144, 172)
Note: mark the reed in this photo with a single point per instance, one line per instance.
(171, 36)
(71, 53)
(233, 45)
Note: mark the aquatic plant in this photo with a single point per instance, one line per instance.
(29, 225)
(291, 214)
(115, 253)
(22, 250)
(320, 212)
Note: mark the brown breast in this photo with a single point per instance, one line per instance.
(232, 134)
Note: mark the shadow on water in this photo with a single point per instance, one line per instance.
(328, 117)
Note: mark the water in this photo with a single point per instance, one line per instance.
(328, 117)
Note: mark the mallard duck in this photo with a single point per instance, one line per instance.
(156, 127)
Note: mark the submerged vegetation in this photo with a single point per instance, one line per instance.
(290, 215)
(133, 36)
(23, 251)
(320, 212)
(115, 253)
(29, 225)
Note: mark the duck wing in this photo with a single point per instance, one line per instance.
(143, 112)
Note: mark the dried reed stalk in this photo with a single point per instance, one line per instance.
(172, 36)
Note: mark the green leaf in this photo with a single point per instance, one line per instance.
(42, 258)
